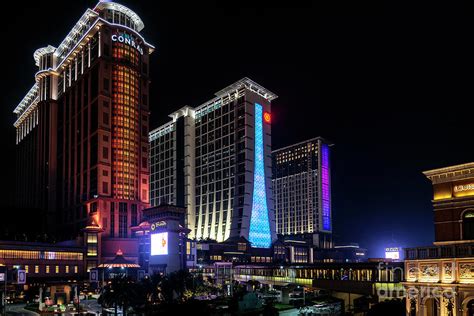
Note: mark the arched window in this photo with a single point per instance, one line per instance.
(468, 225)
(470, 308)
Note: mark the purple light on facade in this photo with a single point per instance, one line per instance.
(325, 186)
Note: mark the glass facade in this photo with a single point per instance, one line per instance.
(215, 169)
(125, 122)
(162, 167)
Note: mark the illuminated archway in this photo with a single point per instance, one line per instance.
(431, 307)
(468, 306)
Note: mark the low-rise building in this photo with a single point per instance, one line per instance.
(440, 278)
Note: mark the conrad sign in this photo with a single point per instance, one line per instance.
(127, 40)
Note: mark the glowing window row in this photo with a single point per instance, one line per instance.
(39, 255)
(47, 269)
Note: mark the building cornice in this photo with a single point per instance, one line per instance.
(451, 173)
(250, 85)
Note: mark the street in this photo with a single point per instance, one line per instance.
(91, 306)
(18, 309)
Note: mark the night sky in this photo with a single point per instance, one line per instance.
(391, 89)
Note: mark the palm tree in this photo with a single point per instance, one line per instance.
(120, 292)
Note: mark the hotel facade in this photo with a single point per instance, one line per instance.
(82, 131)
(302, 191)
(215, 160)
(439, 279)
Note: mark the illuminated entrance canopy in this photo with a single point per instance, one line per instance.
(128, 40)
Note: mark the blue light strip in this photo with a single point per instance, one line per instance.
(326, 188)
(259, 235)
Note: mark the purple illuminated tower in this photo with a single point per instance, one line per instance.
(302, 190)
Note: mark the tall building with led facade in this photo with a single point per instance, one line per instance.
(302, 190)
(215, 160)
(82, 130)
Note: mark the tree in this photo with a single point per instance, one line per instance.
(122, 292)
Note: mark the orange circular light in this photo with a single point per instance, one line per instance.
(267, 117)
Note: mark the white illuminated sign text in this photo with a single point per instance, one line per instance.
(128, 40)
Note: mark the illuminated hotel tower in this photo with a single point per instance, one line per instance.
(82, 129)
(302, 190)
(215, 160)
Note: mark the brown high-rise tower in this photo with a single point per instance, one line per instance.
(82, 130)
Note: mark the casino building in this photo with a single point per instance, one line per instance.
(82, 131)
(302, 191)
(215, 160)
(440, 278)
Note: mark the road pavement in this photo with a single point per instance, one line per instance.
(19, 309)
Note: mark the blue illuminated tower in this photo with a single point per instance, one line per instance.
(260, 234)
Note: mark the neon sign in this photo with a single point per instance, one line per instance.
(465, 187)
(128, 40)
(156, 225)
(267, 117)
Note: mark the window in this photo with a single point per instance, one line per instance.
(123, 220)
(468, 225)
(67, 269)
(57, 269)
(76, 269)
(105, 153)
(93, 207)
(27, 269)
(112, 219)
(37, 269)
(91, 238)
(106, 118)
(47, 269)
(91, 250)
(106, 84)
(134, 215)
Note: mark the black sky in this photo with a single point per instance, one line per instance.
(391, 87)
